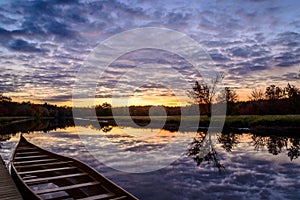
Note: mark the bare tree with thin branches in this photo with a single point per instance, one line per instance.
(256, 95)
(202, 93)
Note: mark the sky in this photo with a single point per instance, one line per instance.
(45, 43)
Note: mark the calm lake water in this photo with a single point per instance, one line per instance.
(239, 166)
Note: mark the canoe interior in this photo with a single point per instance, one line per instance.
(40, 174)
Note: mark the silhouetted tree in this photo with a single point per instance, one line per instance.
(230, 97)
(291, 91)
(274, 92)
(256, 101)
(256, 95)
(203, 93)
(104, 110)
(293, 95)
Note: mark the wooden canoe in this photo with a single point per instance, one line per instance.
(40, 174)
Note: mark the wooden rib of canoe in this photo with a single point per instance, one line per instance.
(40, 174)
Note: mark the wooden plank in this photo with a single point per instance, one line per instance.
(34, 161)
(54, 178)
(46, 170)
(26, 177)
(26, 148)
(64, 188)
(44, 164)
(31, 157)
(8, 189)
(118, 198)
(28, 152)
(99, 196)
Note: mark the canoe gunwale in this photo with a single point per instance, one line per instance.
(24, 189)
(28, 193)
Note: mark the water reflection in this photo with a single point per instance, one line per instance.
(140, 139)
(228, 140)
(274, 144)
(9, 130)
(210, 156)
(106, 128)
(258, 166)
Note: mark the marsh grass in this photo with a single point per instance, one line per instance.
(266, 120)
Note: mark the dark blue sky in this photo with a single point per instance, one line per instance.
(44, 43)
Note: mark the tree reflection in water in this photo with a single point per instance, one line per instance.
(259, 142)
(228, 140)
(275, 145)
(202, 150)
(293, 151)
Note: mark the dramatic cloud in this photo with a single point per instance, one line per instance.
(21, 45)
(43, 44)
(289, 39)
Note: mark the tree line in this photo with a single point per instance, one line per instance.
(274, 100)
(11, 108)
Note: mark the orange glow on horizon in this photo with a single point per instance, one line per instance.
(172, 101)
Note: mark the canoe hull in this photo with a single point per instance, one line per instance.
(26, 192)
(40, 174)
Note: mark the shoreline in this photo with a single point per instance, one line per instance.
(262, 124)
